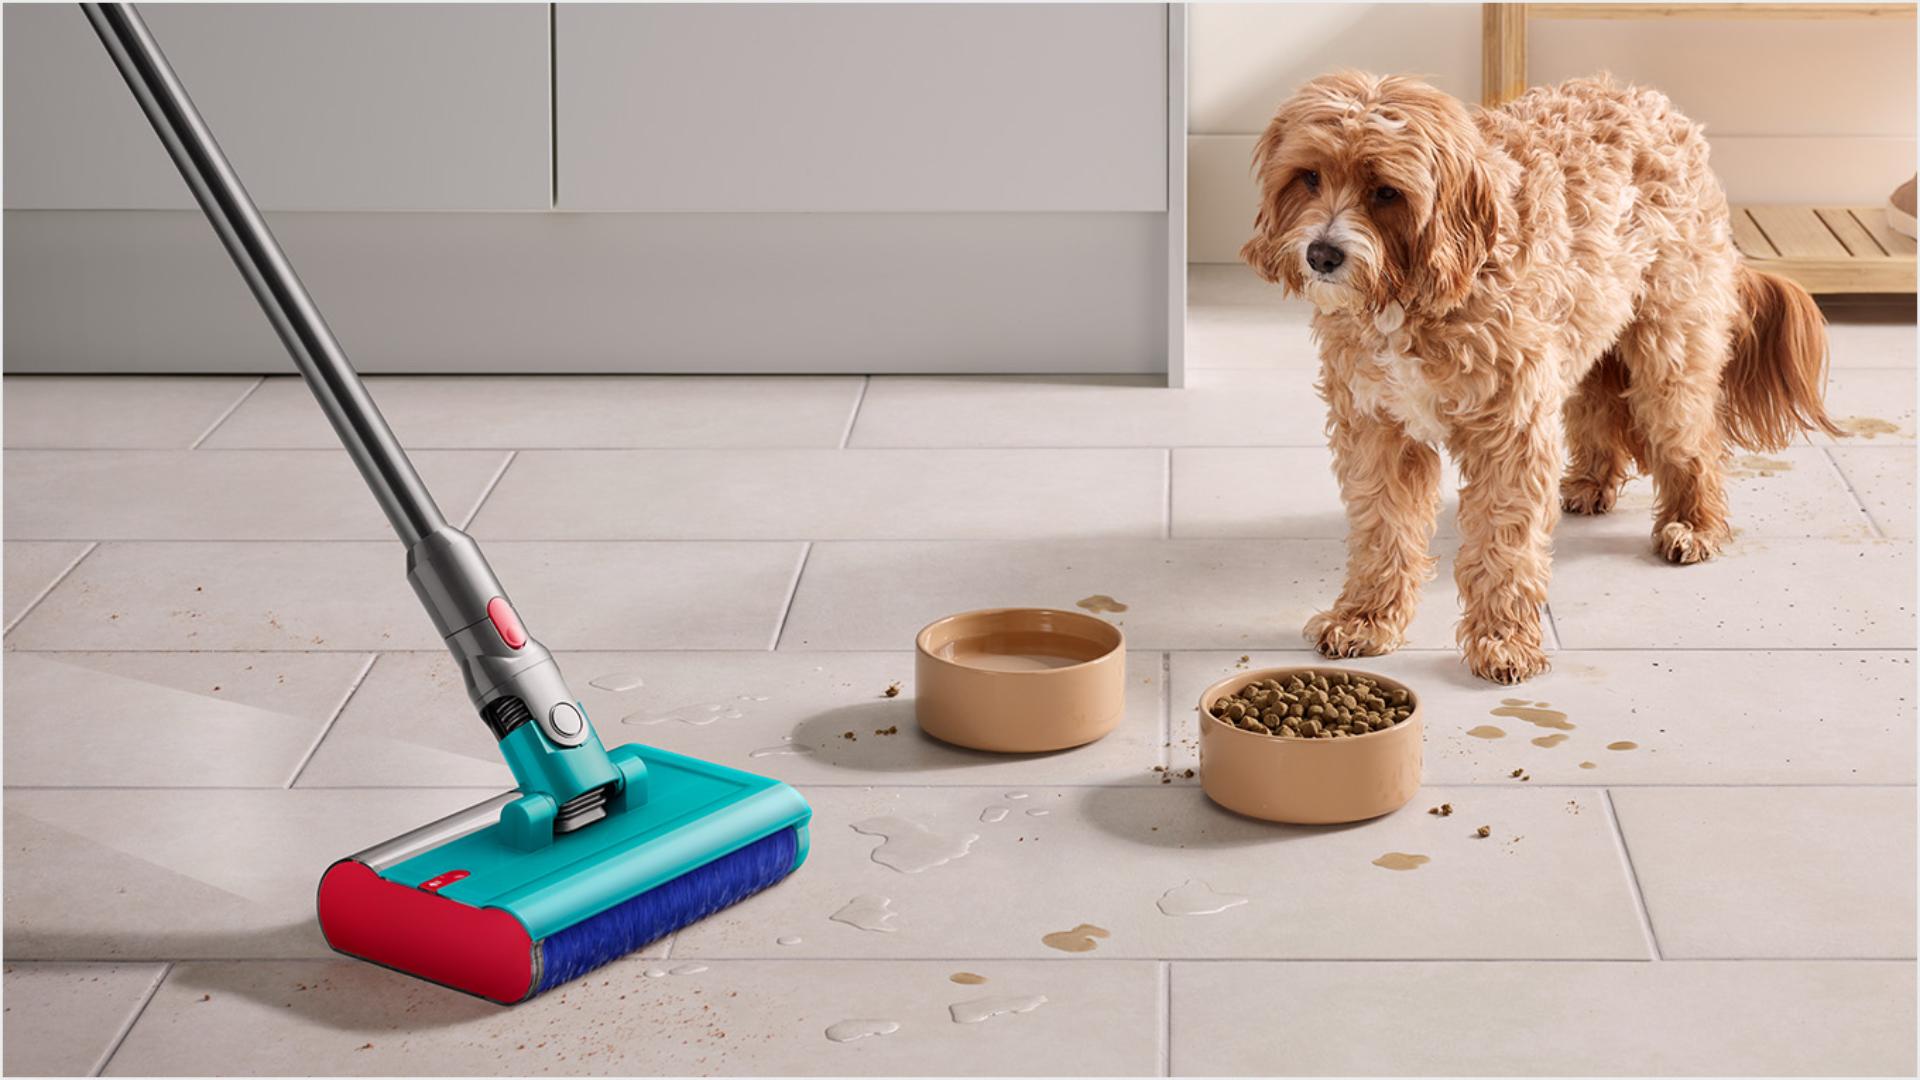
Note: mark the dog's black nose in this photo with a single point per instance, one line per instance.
(1324, 257)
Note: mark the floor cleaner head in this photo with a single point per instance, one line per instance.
(595, 854)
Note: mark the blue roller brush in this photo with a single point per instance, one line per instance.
(595, 853)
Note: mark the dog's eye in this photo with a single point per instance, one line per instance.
(1385, 194)
(1312, 179)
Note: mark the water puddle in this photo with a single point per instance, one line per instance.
(1016, 795)
(993, 814)
(619, 682)
(687, 969)
(910, 847)
(1079, 939)
(1866, 427)
(980, 1009)
(849, 1030)
(1623, 745)
(783, 748)
(1100, 603)
(655, 973)
(1533, 712)
(1198, 898)
(966, 978)
(868, 913)
(1551, 740)
(1400, 860)
(1588, 765)
(699, 714)
(790, 939)
(1487, 731)
(1038, 813)
(1753, 465)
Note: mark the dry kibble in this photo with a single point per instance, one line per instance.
(1483, 832)
(1313, 706)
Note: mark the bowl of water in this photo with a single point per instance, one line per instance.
(1019, 680)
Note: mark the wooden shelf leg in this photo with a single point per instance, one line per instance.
(1503, 52)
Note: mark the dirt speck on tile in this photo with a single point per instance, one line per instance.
(1623, 745)
(1445, 809)
(1483, 831)
(890, 729)
(1079, 939)
(966, 978)
(892, 690)
(1100, 603)
(1400, 860)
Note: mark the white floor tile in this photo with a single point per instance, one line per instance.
(32, 567)
(1185, 594)
(126, 411)
(1238, 408)
(1549, 883)
(1883, 478)
(1275, 336)
(1714, 717)
(726, 1019)
(62, 1019)
(1570, 1019)
(1794, 493)
(1615, 593)
(353, 596)
(1747, 872)
(220, 495)
(410, 722)
(828, 495)
(151, 874)
(169, 719)
(565, 411)
(1870, 344)
(1872, 406)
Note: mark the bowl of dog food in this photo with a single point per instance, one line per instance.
(1310, 745)
(1019, 680)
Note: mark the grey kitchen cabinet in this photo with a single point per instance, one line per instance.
(862, 107)
(320, 106)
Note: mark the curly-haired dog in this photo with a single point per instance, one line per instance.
(1478, 277)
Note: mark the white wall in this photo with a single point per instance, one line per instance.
(1799, 111)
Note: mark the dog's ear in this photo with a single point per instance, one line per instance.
(1262, 251)
(1461, 232)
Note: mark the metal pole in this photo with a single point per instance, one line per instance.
(321, 361)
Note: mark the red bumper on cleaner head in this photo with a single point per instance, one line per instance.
(483, 951)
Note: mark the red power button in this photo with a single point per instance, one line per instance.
(506, 622)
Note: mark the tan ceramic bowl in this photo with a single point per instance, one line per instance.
(1019, 680)
(1308, 781)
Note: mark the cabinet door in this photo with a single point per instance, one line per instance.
(862, 107)
(321, 107)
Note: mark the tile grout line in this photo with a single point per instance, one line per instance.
(1553, 624)
(327, 728)
(139, 1010)
(859, 399)
(1873, 523)
(1166, 1018)
(92, 546)
(487, 491)
(1633, 876)
(793, 591)
(258, 382)
(1078, 785)
(1166, 487)
(553, 106)
(1166, 711)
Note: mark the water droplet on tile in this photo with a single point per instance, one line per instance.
(1535, 713)
(1038, 813)
(656, 973)
(1016, 794)
(868, 913)
(986, 1008)
(619, 682)
(1487, 731)
(788, 746)
(790, 939)
(1079, 939)
(1400, 860)
(688, 969)
(910, 847)
(849, 1030)
(1198, 898)
(993, 814)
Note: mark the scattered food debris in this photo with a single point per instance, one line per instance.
(206, 997)
(1310, 705)
(364, 1046)
(849, 736)
(890, 729)
(1445, 809)
(892, 690)
(1483, 831)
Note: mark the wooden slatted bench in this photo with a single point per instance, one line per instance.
(1843, 250)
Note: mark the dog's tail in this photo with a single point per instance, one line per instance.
(1772, 386)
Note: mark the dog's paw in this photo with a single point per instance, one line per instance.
(1581, 495)
(1682, 544)
(1504, 660)
(1342, 635)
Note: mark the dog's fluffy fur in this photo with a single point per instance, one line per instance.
(1547, 286)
